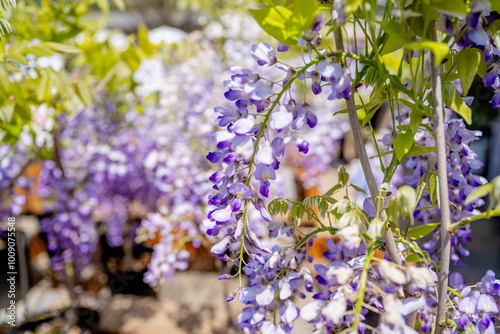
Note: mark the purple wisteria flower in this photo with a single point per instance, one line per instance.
(263, 54)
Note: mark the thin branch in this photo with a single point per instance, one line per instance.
(443, 186)
(365, 162)
(370, 179)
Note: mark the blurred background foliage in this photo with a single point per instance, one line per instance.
(85, 38)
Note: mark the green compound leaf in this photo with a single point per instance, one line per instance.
(468, 61)
(421, 231)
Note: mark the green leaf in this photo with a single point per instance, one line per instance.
(371, 112)
(391, 45)
(468, 61)
(85, 93)
(296, 214)
(395, 29)
(120, 4)
(408, 103)
(413, 258)
(369, 105)
(420, 24)
(6, 4)
(403, 143)
(18, 47)
(480, 191)
(358, 188)
(302, 18)
(5, 27)
(323, 207)
(421, 231)
(470, 329)
(449, 76)
(352, 5)
(495, 191)
(441, 50)
(333, 190)
(433, 188)
(453, 100)
(416, 117)
(273, 20)
(481, 69)
(4, 80)
(17, 58)
(144, 43)
(451, 6)
(40, 50)
(393, 214)
(421, 185)
(495, 5)
(419, 150)
(103, 5)
(332, 29)
(6, 113)
(343, 175)
(44, 86)
(60, 47)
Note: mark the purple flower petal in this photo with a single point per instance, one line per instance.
(264, 54)
(220, 247)
(243, 125)
(281, 119)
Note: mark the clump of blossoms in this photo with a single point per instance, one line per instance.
(377, 270)
(461, 162)
(262, 124)
(264, 288)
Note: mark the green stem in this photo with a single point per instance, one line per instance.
(309, 235)
(453, 291)
(362, 287)
(285, 88)
(467, 220)
(242, 243)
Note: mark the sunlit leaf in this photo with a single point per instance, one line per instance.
(403, 143)
(467, 64)
(441, 50)
(273, 20)
(421, 231)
